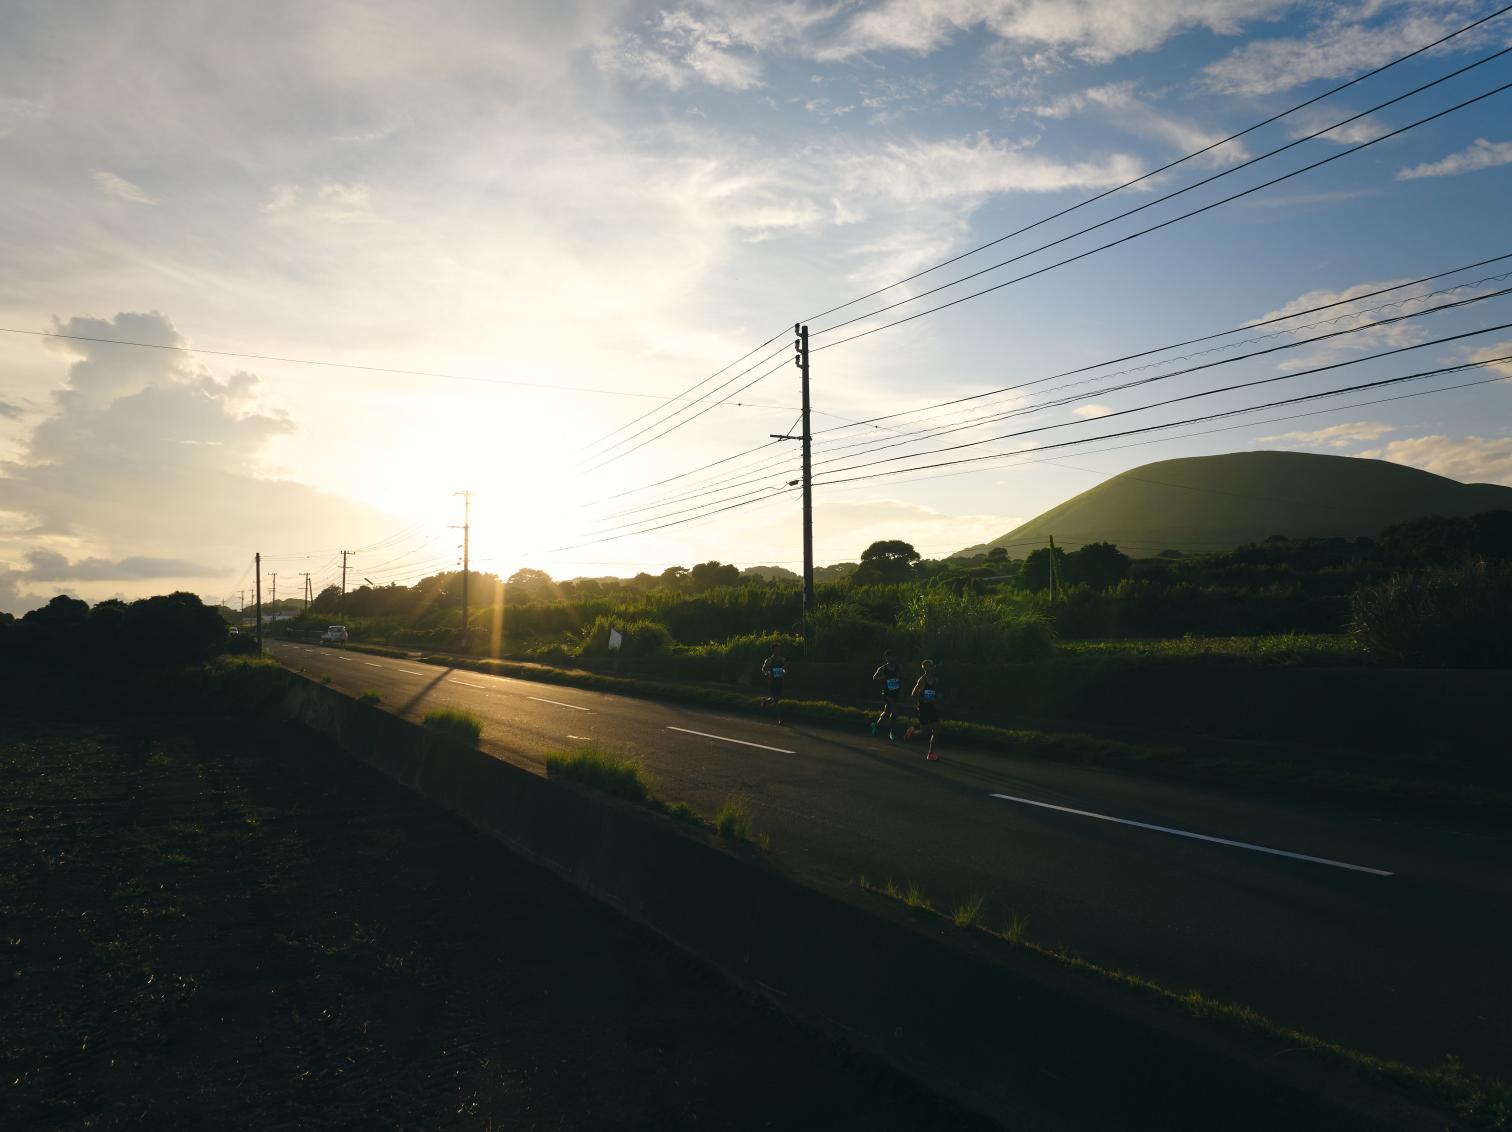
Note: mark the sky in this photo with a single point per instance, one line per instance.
(533, 223)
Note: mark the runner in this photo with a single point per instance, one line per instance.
(774, 668)
(892, 682)
(928, 694)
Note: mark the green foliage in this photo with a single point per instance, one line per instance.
(640, 637)
(967, 914)
(613, 774)
(1456, 616)
(456, 723)
(369, 696)
(733, 822)
(980, 628)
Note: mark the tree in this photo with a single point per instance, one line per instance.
(1097, 564)
(997, 555)
(1035, 573)
(531, 585)
(885, 561)
(708, 575)
(176, 629)
(675, 578)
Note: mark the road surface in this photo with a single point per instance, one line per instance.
(1387, 933)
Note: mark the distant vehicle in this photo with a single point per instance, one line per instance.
(334, 635)
(234, 631)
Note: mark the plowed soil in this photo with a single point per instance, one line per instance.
(211, 924)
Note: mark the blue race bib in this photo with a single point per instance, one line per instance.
(893, 683)
(777, 673)
(929, 695)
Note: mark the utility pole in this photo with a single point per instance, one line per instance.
(341, 604)
(306, 576)
(274, 603)
(466, 538)
(257, 561)
(801, 360)
(1054, 571)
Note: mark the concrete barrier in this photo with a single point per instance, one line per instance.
(1014, 1035)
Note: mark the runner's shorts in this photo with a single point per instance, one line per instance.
(774, 688)
(929, 715)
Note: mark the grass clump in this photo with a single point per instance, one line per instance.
(681, 811)
(967, 914)
(603, 770)
(733, 822)
(326, 679)
(456, 723)
(369, 696)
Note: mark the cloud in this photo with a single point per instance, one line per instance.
(1349, 316)
(716, 43)
(1354, 133)
(10, 412)
(18, 112)
(1094, 30)
(154, 469)
(50, 566)
(1334, 436)
(1482, 154)
(1119, 104)
(1470, 459)
(1500, 350)
(1339, 48)
(121, 188)
(1092, 410)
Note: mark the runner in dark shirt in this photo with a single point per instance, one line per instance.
(774, 668)
(891, 676)
(927, 692)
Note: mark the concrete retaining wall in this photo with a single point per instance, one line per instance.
(1019, 1037)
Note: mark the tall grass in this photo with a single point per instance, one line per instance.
(603, 770)
(1453, 617)
(455, 722)
(979, 628)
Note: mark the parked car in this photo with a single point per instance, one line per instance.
(334, 635)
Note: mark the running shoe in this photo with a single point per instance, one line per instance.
(893, 736)
(932, 757)
(909, 734)
(874, 730)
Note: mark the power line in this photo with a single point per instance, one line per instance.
(875, 445)
(1165, 168)
(1166, 223)
(1168, 196)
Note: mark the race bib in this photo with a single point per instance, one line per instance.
(777, 673)
(929, 695)
(893, 683)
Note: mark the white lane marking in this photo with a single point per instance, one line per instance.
(345, 658)
(725, 739)
(465, 684)
(558, 703)
(370, 664)
(581, 738)
(1198, 836)
(409, 672)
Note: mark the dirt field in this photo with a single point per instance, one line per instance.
(213, 924)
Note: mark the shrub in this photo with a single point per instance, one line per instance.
(732, 822)
(613, 774)
(640, 637)
(458, 724)
(969, 627)
(369, 696)
(1452, 617)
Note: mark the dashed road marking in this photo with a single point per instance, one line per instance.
(409, 672)
(465, 684)
(370, 664)
(727, 739)
(558, 703)
(1197, 836)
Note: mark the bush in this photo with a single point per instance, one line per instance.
(369, 696)
(1452, 617)
(732, 822)
(458, 724)
(640, 637)
(981, 629)
(613, 774)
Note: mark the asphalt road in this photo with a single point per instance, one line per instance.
(1385, 933)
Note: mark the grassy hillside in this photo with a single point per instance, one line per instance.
(1211, 503)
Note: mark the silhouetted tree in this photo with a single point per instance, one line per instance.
(1097, 564)
(885, 561)
(708, 575)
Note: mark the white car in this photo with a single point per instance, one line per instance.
(334, 635)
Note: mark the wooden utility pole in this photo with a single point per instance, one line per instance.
(466, 536)
(257, 563)
(801, 345)
(306, 576)
(341, 604)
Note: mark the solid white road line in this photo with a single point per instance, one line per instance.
(725, 739)
(409, 672)
(558, 703)
(465, 684)
(370, 664)
(1197, 836)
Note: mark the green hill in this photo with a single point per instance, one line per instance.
(1211, 503)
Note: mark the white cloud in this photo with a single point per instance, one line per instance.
(1092, 410)
(50, 566)
(1500, 350)
(717, 42)
(121, 188)
(1334, 436)
(1354, 316)
(1482, 154)
(1470, 459)
(1094, 30)
(1340, 47)
(1120, 104)
(1354, 133)
(16, 113)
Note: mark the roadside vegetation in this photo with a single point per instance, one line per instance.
(1468, 1101)
(603, 770)
(456, 723)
